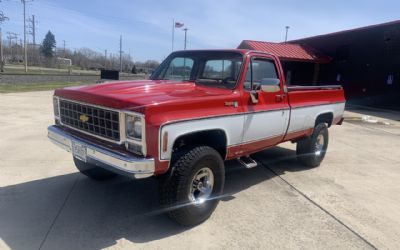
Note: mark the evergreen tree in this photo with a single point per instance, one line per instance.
(134, 71)
(48, 45)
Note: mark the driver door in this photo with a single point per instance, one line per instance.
(266, 108)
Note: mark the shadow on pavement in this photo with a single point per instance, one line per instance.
(95, 215)
(280, 160)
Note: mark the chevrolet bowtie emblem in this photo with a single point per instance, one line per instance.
(84, 118)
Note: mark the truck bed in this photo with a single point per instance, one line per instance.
(300, 96)
(307, 102)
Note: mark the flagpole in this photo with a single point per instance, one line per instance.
(185, 29)
(173, 33)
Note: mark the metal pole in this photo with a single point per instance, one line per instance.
(105, 59)
(120, 53)
(34, 30)
(286, 36)
(9, 43)
(25, 50)
(1, 52)
(173, 34)
(185, 29)
(64, 47)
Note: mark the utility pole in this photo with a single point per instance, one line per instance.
(19, 50)
(11, 36)
(64, 47)
(185, 29)
(34, 30)
(25, 49)
(287, 31)
(105, 59)
(32, 27)
(25, 53)
(1, 52)
(120, 53)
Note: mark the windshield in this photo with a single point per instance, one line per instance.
(213, 68)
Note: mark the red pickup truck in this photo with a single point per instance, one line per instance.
(197, 110)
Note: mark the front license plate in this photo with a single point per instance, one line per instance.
(79, 151)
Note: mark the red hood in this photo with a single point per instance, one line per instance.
(140, 93)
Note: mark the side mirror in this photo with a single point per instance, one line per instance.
(270, 85)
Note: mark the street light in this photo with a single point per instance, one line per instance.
(287, 30)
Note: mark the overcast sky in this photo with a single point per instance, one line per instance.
(146, 25)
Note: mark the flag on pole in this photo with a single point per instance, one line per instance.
(179, 25)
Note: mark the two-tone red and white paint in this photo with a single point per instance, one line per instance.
(176, 109)
(179, 118)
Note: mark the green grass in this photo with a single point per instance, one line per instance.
(19, 69)
(12, 88)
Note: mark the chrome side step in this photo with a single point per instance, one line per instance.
(247, 162)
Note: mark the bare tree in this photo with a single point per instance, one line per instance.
(82, 58)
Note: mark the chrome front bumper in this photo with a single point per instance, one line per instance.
(123, 164)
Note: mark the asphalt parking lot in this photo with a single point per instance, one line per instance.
(352, 201)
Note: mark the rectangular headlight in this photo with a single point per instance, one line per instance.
(56, 107)
(134, 127)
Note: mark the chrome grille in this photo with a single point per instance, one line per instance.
(94, 120)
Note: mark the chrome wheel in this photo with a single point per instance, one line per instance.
(202, 186)
(319, 145)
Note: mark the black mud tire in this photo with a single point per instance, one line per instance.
(174, 187)
(306, 148)
(92, 171)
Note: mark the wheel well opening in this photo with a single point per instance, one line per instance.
(212, 138)
(324, 118)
